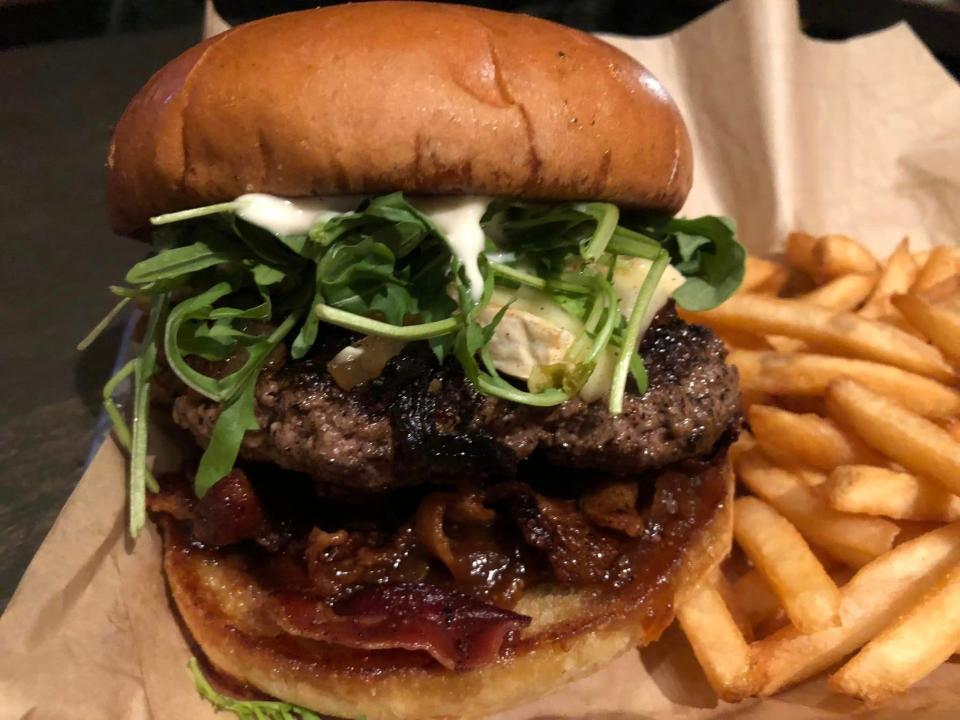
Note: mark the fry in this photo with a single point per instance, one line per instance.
(733, 338)
(873, 598)
(835, 255)
(940, 265)
(852, 539)
(807, 375)
(777, 550)
(800, 251)
(909, 649)
(754, 598)
(729, 595)
(716, 640)
(881, 491)
(810, 439)
(762, 275)
(846, 292)
(898, 274)
(939, 323)
(833, 331)
(914, 442)
(782, 343)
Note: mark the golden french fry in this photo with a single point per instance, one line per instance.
(760, 274)
(852, 539)
(779, 552)
(799, 251)
(807, 375)
(952, 426)
(940, 264)
(898, 274)
(846, 292)
(880, 491)
(809, 439)
(870, 601)
(911, 440)
(833, 331)
(939, 323)
(811, 478)
(835, 255)
(782, 343)
(748, 398)
(754, 598)
(716, 640)
(734, 338)
(908, 650)
(729, 595)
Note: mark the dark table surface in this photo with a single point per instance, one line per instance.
(57, 257)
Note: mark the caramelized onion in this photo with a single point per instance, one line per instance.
(363, 361)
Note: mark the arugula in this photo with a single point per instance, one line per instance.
(221, 289)
(248, 709)
(706, 251)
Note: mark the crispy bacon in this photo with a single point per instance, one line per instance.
(456, 630)
(229, 512)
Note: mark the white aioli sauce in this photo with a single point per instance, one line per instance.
(283, 216)
(457, 217)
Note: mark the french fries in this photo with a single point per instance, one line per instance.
(835, 332)
(938, 322)
(721, 649)
(897, 276)
(812, 440)
(909, 649)
(889, 493)
(779, 552)
(762, 276)
(873, 598)
(914, 442)
(846, 292)
(852, 539)
(941, 264)
(754, 598)
(849, 497)
(808, 375)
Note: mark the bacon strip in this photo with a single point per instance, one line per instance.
(457, 631)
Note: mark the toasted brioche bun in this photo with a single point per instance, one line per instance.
(384, 96)
(573, 633)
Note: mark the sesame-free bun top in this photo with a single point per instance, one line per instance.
(382, 96)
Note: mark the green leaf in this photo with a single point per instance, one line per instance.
(631, 335)
(142, 373)
(248, 709)
(706, 251)
(180, 261)
(236, 418)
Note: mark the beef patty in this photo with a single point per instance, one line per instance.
(423, 422)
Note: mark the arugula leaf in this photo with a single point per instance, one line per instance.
(706, 251)
(248, 709)
(236, 417)
(180, 261)
(142, 373)
(631, 335)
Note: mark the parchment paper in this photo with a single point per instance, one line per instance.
(861, 137)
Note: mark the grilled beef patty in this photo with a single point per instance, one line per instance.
(422, 422)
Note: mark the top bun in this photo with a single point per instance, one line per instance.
(382, 96)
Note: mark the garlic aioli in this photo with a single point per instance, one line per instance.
(458, 219)
(292, 216)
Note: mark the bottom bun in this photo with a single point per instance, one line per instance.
(573, 633)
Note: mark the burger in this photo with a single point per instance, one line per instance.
(415, 302)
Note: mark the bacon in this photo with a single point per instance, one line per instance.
(457, 631)
(229, 512)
